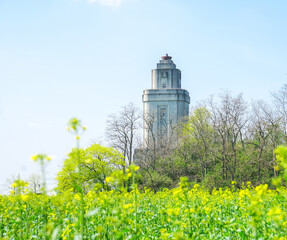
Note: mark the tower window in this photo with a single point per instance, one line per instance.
(164, 85)
(163, 121)
(162, 117)
(164, 74)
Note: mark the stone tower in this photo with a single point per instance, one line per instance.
(166, 104)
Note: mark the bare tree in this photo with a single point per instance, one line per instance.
(229, 121)
(7, 186)
(264, 134)
(122, 129)
(35, 183)
(280, 102)
(160, 140)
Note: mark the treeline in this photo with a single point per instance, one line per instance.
(224, 140)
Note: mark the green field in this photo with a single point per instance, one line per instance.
(180, 213)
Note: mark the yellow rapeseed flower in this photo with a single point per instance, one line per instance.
(127, 206)
(49, 158)
(173, 211)
(24, 197)
(274, 211)
(129, 174)
(34, 158)
(134, 168)
(109, 179)
(41, 157)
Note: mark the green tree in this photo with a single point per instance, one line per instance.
(96, 163)
(197, 135)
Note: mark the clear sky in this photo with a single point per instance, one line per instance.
(64, 58)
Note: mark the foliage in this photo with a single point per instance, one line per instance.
(223, 140)
(96, 162)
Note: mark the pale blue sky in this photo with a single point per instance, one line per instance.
(64, 58)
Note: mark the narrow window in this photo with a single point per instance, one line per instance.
(163, 121)
(162, 117)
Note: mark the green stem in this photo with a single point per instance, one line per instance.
(136, 208)
(44, 206)
(82, 214)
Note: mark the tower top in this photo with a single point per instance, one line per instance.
(166, 57)
(166, 63)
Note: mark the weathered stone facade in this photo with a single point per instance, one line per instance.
(166, 104)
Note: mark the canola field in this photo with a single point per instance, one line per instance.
(182, 213)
